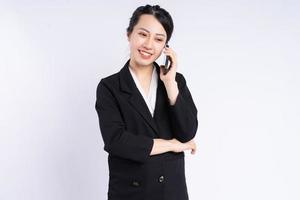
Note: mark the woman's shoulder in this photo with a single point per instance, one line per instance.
(110, 81)
(110, 78)
(114, 78)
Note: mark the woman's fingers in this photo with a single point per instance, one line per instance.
(173, 67)
(172, 54)
(194, 150)
(193, 146)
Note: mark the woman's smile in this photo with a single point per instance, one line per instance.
(145, 55)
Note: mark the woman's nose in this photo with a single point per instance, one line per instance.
(148, 43)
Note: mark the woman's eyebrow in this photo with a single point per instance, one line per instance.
(160, 34)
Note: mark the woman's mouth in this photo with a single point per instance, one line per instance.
(145, 55)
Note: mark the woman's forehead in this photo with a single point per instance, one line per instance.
(150, 24)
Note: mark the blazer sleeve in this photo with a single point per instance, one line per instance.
(117, 140)
(183, 113)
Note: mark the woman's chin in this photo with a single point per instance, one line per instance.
(143, 62)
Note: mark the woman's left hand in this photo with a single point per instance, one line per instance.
(170, 76)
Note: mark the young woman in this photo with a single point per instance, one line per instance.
(147, 117)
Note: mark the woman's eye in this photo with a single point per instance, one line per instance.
(159, 40)
(143, 34)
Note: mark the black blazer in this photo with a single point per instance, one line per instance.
(128, 130)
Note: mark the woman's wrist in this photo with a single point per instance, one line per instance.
(161, 146)
(172, 91)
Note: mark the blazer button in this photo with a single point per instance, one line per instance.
(161, 179)
(135, 183)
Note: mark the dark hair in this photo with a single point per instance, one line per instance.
(159, 13)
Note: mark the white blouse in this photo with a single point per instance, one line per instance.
(151, 98)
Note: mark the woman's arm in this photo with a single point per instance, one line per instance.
(162, 146)
(182, 109)
(183, 112)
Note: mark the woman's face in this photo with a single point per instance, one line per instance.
(146, 41)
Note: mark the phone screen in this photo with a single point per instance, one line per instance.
(167, 63)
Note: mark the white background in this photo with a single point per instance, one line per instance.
(241, 63)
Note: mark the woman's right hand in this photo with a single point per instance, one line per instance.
(177, 146)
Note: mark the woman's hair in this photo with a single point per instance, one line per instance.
(159, 13)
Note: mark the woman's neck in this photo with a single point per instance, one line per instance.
(141, 71)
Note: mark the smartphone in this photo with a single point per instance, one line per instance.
(167, 65)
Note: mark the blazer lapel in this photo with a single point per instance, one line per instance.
(135, 99)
